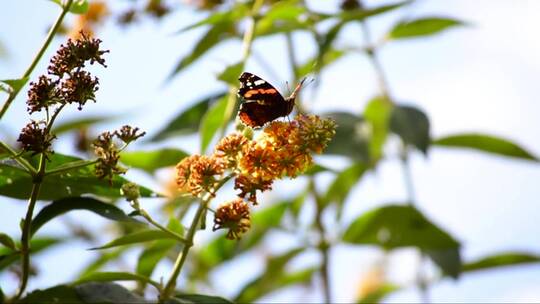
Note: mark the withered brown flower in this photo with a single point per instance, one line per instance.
(234, 216)
(34, 137)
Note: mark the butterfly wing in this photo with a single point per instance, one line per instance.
(256, 115)
(263, 103)
(254, 88)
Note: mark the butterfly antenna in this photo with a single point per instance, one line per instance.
(288, 87)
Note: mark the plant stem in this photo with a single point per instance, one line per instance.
(421, 281)
(188, 243)
(27, 226)
(18, 158)
(71, 166)
(147, 216)
(324, 245)
(293, 62)
(247, 42)
(374, 60)
(407, 176)
(38, 56)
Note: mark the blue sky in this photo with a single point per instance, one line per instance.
(480, 78)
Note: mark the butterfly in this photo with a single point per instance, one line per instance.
(262, 102)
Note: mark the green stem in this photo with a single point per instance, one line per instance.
(407, 176)
(175, 235)
(372, 53)
(247, 42)
(27, 226)
(180, 260)
(71, 166)
(19, 159)
(324, 245)
(293, 62)
(38, 56)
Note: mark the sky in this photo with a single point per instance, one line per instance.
(478, 78)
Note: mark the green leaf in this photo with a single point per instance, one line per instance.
(137, 237)
(363, 13)
(231, 73)
(151, 256)
(350, 139)
(233, 15)
(7, 241)
(8, 256)
(379, 294)
(212, 121)
(316, 169)
(422, 27)
(217, 34)
(377, 114)
(78, 7)
(448, 260)
(150, 161)
(340, 188)
(264, 285)
(102, 259)
(64, 205)
(16, 183)
(76, 124)
(187, 121)
(412, 125)
(396, 226)
(115, 276)
(56, 294)
(202, 299)
(503, 259)
(485, 143)
(154, 253)
(96, 292)
(283, 16)
(273, 278)
(221, 249)
(320, 61)
(15, 85)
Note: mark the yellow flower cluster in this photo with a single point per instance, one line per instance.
(282, 149)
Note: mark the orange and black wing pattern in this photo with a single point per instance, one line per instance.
(262, 102)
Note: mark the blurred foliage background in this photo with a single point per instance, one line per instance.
(426, 193)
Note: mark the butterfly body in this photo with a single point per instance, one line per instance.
(262, 102)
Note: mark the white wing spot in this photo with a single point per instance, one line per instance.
(259, 82)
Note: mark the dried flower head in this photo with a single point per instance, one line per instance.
(42, 94)
(108, 157)
(234, 216)
(79, 88)
(197, 174)
(73, 55)
(128, 134)
(35, 138)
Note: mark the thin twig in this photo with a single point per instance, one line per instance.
(38, 56)
(179, 263)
